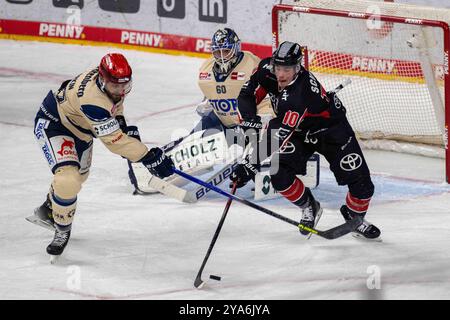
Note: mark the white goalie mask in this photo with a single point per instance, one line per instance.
(225, 47)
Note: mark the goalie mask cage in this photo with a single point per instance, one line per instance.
(396, 56)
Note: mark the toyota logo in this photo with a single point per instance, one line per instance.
(351, 162)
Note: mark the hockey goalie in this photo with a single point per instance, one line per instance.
(217, 143)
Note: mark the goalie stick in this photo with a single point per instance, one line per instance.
(329, 234)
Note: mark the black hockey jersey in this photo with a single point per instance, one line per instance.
(302, 107)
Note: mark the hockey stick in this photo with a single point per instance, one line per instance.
(198, 283)
(184, 195)
(330, 234)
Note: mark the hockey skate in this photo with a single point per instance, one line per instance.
(366, 230)
(56, 247)
(311, 214)
(43, 216)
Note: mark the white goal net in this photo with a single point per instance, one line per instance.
(396, 57)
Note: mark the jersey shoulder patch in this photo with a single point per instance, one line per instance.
(95, 113)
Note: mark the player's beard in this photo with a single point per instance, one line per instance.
(115, 98)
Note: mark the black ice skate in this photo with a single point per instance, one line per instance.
(56, 247)
(366, 230)
(311, 214)
(43, 216)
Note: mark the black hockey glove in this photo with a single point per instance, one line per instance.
(243, 173)
(251, 123)
(132, 131)
(122, 122)
(158, 163)
(251, 128)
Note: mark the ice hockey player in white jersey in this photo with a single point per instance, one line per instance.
(220, 79)
(86, 107)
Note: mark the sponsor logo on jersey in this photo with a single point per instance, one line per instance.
(61, 30)
(204, 76)
(287, 148)
(351, 162)
(117, 139)
(141, 38)
(66, 148)
(105, 128)
(237, 75)
(224, 105)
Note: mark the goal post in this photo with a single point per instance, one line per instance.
(397, 58)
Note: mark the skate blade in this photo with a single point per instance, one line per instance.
(362, 238)
(33, 219)
(316, 221)
(54, 259)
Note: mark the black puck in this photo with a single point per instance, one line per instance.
(215, 277)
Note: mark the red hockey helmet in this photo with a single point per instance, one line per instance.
(116, 74)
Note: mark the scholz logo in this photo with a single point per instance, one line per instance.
(351, 162)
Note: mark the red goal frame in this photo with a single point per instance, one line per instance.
(385, 18)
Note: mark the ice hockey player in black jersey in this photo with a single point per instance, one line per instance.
(308, 119)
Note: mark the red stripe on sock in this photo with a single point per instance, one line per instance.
(295, 191)
(357, 205)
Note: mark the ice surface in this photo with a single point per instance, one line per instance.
(150, 247)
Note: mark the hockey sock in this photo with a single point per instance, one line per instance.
(357, 206)
(297, 193)
(63, 211)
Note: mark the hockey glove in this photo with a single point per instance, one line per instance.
(122, 123)
(251, 123)
(251, 128)
(243, 173)
(132, 131)
(157, 163)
